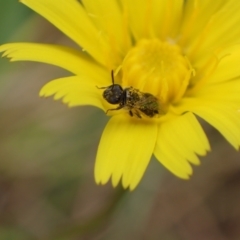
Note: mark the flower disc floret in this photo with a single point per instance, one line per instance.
(159, 68)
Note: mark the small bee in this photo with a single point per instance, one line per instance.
(132, 99)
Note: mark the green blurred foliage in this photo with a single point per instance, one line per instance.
(13, 14)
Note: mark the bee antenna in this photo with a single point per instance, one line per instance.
(112, 74)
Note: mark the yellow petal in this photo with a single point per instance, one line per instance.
(196, 15)
(213, 23)
(218, 104)
(153, 18)
(218, 66)
(109, 19)
(179, 140)
(228, 66)
(166, 17)
(224, 116)
(74, 91)
(71, 18)
(227, 91)
(125, 150)
(65, 57)
(225, 121)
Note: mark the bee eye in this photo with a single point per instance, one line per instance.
(113, 94)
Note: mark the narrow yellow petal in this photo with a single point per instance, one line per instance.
(224, 118)
(72, 60)
(153, 18)
(219, 105)
(125, 150)
(203, 19)
(71, 18)
(166, 17)
(196, 15)
(179, 140)
(216, 36)
(108, 18)
(226, 91)
(137, 13)
(214, 68)
(226, 122)
(228, 66)
(74, 91)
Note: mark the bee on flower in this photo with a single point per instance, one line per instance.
(172, 61)
(131, 99)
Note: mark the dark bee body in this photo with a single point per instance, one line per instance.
(132, 99)
(137, 102)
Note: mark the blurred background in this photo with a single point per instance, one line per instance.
(47, 154)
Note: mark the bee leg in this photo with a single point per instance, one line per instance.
(101, 87)
(138, 114)
(114, 109)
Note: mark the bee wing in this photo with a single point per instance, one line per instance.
(148, 101)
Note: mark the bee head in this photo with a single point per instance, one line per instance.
(113, 94)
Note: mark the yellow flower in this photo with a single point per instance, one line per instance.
(184, 53)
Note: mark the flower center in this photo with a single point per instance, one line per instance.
(159, 68)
